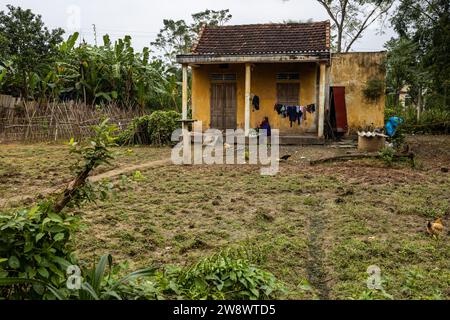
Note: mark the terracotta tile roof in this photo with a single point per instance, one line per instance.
(252, 39)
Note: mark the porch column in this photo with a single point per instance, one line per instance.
(248, 79)
(322, 90)
(184, 101)
(184, 112)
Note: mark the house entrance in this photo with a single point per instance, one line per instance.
(223, 106)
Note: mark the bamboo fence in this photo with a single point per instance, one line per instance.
(29, 121)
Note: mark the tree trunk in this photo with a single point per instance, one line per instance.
(71, 189)
(25, 86)
(339, 40)
(396, 100)
(419, 104)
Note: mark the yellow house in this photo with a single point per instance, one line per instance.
(242, 74)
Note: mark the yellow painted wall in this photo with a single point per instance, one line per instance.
(264, 85)
(353, 70)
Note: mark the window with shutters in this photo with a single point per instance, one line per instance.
(288, 76)
(223, 77)
(288, 94)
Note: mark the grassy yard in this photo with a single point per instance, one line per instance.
(317, 228)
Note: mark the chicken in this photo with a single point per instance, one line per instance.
(435, 228)
(285, 158)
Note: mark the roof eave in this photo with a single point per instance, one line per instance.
(254, 58)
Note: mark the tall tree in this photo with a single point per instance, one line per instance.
(27, 44)
(427, 24)
(174, 38)
(210, 18)
(177, 36)
(404, 69)
(352, 17)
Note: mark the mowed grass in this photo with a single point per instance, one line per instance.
(317, 228)
(34, 168)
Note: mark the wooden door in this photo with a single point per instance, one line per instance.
(338, 109)
(223, 106)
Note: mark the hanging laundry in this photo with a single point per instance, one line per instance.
(299, 115)
(295, 114)
(303, 110)
(311, 108)
(255, 103)
(277, 108)
(284, 111)
(292, 113)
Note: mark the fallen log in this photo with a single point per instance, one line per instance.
(347, 157)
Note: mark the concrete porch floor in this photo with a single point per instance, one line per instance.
(295, 140)
(304, 139)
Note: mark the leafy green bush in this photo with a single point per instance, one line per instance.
(435, 120)
(35, 248)
(154, 129)
(102, 282)
(223, 276)
(432, 121)
(136, 133)
(387, 155)
(161, 125)
(35, 244)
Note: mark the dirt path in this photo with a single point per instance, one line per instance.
(99, 177)
(315, 265)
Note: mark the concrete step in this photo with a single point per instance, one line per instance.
(301, 140)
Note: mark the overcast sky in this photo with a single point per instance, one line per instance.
(142, 19)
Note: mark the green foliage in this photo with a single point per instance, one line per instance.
(435, 120)
(403, 69)
(177, 36)
(374, 89)
(431, 121)
(387, 155)
(161, 125)
(210, 18)
(96, 150)
(38, 65)
(155, 129)
(28, 45)
(101, 282)
(222, 276)
(35, 245)
(91, 154)
(425, 24)
(110, 72)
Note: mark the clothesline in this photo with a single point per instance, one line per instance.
(294, 113)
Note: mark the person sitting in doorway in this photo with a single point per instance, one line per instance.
(265, 125)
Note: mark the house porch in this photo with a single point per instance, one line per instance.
(222, 96)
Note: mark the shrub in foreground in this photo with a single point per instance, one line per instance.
(222, 276)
